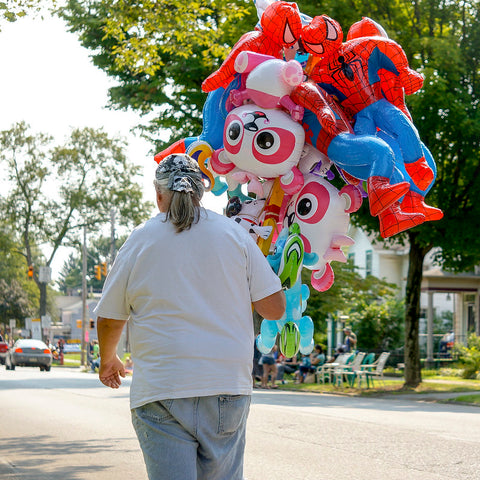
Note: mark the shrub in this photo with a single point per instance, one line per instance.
(469, 357)
(450, 372)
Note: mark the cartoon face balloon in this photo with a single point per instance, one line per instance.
(247, 215)
(264, 142)
(269, 82)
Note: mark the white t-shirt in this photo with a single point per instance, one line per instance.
(188, 297)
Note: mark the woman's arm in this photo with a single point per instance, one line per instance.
(111, 367)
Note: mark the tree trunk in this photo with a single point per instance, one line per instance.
(42, 286)
(417, 253)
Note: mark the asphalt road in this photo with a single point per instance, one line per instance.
(64, 424)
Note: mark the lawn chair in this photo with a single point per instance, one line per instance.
(369, 359)
(348, 371)
(374, 370)
(324, 373)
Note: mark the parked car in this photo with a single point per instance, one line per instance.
(28, 352)
(3, 350)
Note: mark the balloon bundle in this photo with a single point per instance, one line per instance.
(291, 101)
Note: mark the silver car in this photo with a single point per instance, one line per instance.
(29, 353)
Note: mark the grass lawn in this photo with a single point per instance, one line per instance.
(391, 386)
(432, 382)
(470, 399)
(69, 360)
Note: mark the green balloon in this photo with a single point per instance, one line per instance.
(290, 339)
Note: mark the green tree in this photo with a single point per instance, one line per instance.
(441, 39)
(70, 276)
(376, 313)
(469, 357)
(55, 191)
(14, 301)
(159, 52)
(99, 249)
(12, 10)
(14, 271)
(13, 266)
(379, 324)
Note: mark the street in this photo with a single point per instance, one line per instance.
(65, 424)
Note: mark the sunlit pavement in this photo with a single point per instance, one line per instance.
(66, 424)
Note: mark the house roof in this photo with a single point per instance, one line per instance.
(72, 302)
(436, 279)
(64, 302)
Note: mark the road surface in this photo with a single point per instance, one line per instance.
(64, 424)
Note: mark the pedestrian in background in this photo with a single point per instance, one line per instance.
(185, 280)
(269, 364)
(350, 340)
(95, 360)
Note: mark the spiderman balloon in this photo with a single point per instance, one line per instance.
(368, 76)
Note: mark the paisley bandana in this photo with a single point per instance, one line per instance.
(184, 175)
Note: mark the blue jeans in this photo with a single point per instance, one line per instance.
(200, 438)
(95, 364)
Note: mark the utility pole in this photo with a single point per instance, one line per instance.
(84, 295)
(112, 259)
(112, 236)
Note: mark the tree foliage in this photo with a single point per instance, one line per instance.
(441, 39)
(70, 276)
(12, 10)
(99, 250)
(160, 51)
(144, 50)
(469, 356)
(54, 191)
(14, 273)
(14, 301)
(372, 305)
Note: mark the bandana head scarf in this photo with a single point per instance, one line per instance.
(184, 174)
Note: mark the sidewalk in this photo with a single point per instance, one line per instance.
(434, 396)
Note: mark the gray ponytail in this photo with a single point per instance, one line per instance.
(179, 177)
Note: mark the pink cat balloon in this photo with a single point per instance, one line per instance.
(264, 142)
(323, 214)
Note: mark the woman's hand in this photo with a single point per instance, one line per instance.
(111, 371)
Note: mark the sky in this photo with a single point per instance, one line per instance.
(49, 81)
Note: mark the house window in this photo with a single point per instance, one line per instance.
(471, 318)
(368, 262)
(351, 257)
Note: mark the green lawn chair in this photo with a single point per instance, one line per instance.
(349, 371)
(374, 370)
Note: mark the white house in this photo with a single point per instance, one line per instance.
(441, 292)
(71, 315)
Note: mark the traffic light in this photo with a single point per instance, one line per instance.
(98, 272)
(104, 269)
(30, 272)
(92, 324)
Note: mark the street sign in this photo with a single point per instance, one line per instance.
(45, 274)
(12, 324)
(36, 329)
(46, 321)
